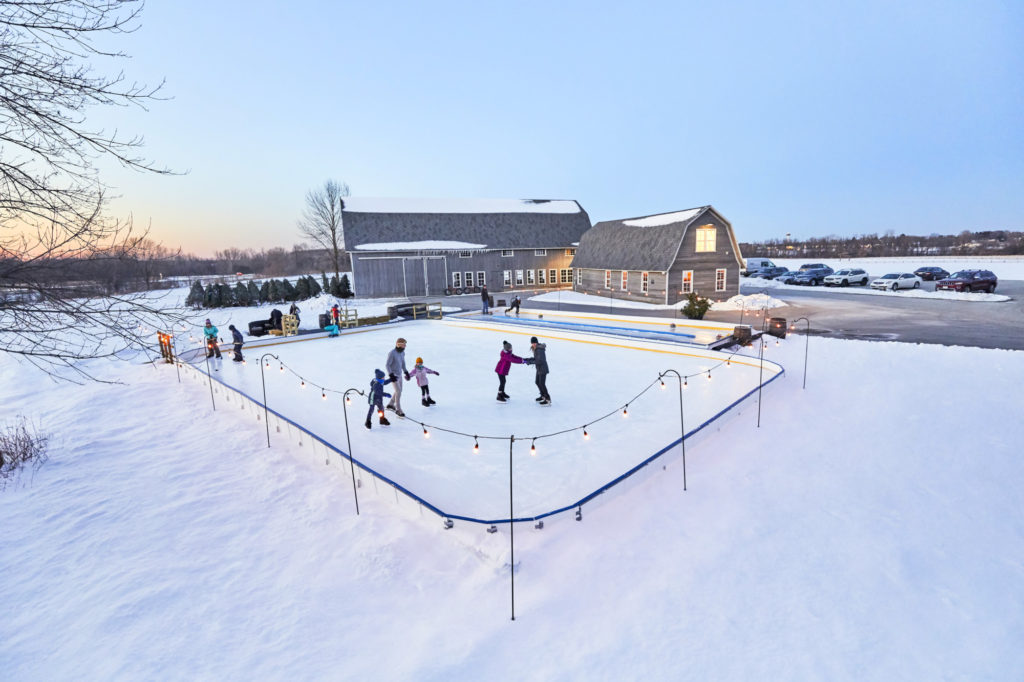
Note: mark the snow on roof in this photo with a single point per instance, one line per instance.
(407, 205)
(418, 246)
(664, 218)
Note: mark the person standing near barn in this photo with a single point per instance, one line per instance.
(540, 362)
(484, 298)
(395, 367)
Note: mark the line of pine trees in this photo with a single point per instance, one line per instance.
(269, 291)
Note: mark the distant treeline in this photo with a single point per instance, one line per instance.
(988, 243)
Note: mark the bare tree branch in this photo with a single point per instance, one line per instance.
(321, 219)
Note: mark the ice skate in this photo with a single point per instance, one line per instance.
(545, 402)
(425, 402)
(502, 398)
(384, 421)
(368, 424)
(431, 400)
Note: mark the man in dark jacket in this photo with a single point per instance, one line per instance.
(395, 367)
(540, 362)
(236, 337)
(484, 298)
(275, 319)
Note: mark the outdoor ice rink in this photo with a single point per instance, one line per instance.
(592, 375)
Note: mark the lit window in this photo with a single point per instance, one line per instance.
(644, 279)
(607, 279)
(720, 279)
(687, 281)
(625, 281)
(706, 238)
(570, 252)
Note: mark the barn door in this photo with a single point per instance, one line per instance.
(436, 274)
(415, 277)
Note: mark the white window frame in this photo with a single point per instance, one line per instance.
(529, 278)
(542, 276)
(506, 253)
(540, 252)
(720, 279)
(519, 278)
(644, 282)
(566, 276)
(465, 254)
(624, 283)
(552, 276)
(507, 275)
(467, 277)
(481, 278)
(579, 277)
(687, 284)
(706, 237)
(456, 280)
(570, 252)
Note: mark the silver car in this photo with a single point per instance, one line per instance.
(845, 277)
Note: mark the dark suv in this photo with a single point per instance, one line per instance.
(814, 266)
(969, 280)
(930, 272)
(768, 273)
(812, 277)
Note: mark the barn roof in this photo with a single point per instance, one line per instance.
(476, 223)
(642, 243)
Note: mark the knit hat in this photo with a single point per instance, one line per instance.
(231, 326)
(401, 340)
(533, 339)
(208, 321)
(379, 374)
(506, 345)
(419, 361)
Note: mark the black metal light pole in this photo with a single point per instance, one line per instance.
(682, 427)
(511, 529)
(807, 341)
(760, 374)
(266, 412)
(348, 439)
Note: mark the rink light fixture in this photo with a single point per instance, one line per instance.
(709, 375)
(533, 448)
(625, 411)
(426, 434)
(476, 446)
(348, 401)
(302, 384)
(323, 394)
(586, 436)
(663, 383)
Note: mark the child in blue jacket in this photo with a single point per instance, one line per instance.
(376, 398)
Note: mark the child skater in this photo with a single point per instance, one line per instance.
(376, 398)
(504, 363)
(420, 371)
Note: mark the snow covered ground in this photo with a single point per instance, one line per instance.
(870, 529)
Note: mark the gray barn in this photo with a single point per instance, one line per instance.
(428, 247)
(660, 258)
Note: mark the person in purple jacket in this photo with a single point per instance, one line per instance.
(504, 363)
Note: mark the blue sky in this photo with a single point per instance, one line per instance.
(811, 118)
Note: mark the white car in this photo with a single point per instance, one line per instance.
(846, 277)
(897, 280)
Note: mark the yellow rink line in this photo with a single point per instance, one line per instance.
(584, 316)
(618, 345)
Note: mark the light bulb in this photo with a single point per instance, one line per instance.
(282, 368)
(663, 383)
(685, 384)
(323, 394)
(476, 446)
(426, 434)
(586, 436)
(709, 375)
(348, 401)
(625, 411)
(266, 364)
(533, 449)
(302, 384)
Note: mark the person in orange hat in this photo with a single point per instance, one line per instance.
(420, 372)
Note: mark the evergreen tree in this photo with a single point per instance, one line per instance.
(265, 292)
(346, 288)
(224, 296)
(275, 292)
(288, 291)
(254, 293)
(302, 289)
(241, 294)
(335, 288)
(196, 296)
(208, 296)
(323, 279)
(314, 287)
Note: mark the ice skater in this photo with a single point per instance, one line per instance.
(376, 397)
(504, 363)
(514, 305)
(540, 362)
(420, 372)
(210, 335)
(395, 367)
(236, 338)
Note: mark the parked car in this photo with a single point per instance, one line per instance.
(969, 280)
(754, 264)
(787, 277)
(846, 277)
(812, 266)
(768, 273)
(812, 277)
(897, 280)
(930, 272)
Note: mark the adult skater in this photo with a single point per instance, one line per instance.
(484, 298)
(395, 367)
(210, 336)
(514, 305)
(540, 362)
(504, 363)
(236, 338)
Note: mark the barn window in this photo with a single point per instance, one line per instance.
(469, 279)
(456, 280)
(507, 277)
(481, 278)
(687, 282)
(540, 252)
(552, 276)
(706, 238)
(567, 276)
(506, 253)
(519, 278)
(465, 254)
(644, 279)
(529, 277)
(541, 279)
(625, 281)
(579, 277)
(570, 252)
(720, 279)
(607, 279)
